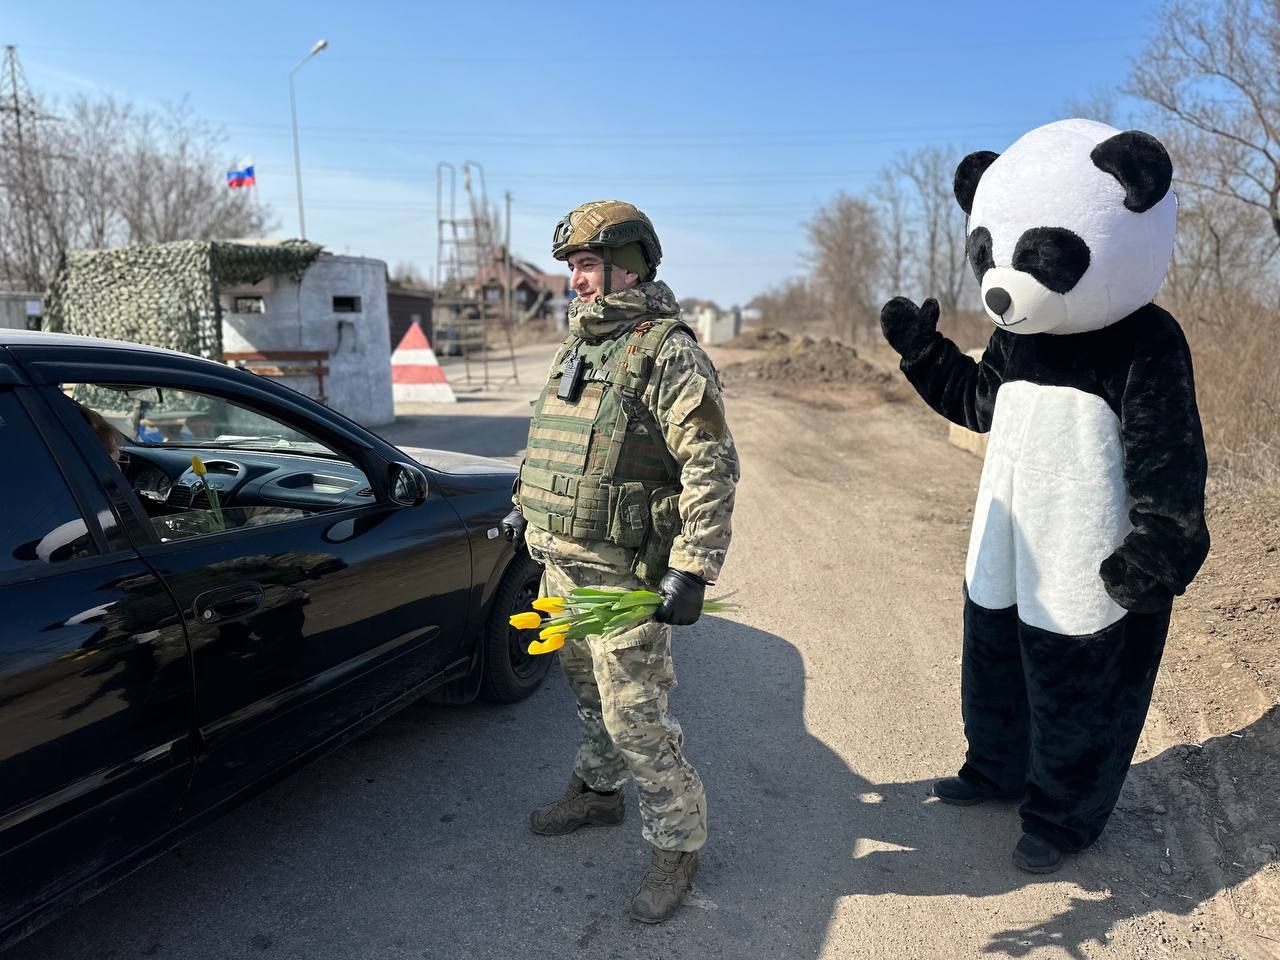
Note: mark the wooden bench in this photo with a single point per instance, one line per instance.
(284, 363)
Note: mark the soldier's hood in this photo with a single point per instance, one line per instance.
(607, 317)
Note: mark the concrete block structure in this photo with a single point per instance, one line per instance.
(712, 324)
(326, 334)
(20, 311)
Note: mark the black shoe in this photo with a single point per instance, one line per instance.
(960, 792)
(1036, 855)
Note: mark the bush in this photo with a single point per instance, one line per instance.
(1236, 355)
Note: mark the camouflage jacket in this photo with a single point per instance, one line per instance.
(685, 398)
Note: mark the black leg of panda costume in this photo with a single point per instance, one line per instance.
(1055, 718)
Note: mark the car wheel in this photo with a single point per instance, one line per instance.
(510, 672)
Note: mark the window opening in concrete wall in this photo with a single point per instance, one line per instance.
(250, 305)
(346, 305)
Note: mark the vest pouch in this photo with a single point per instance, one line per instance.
(629, 519)
(664, 526)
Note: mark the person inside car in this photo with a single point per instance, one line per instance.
(107, 435)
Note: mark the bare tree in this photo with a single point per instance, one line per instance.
(1223, 246)
(847, 252)
(942, 264)
(107, 174)
(1215, 69)
(1100, 105)
(175, 189)
(899, 252)
(406, 273)
(792, 305)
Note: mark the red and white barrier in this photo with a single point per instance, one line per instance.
(416, 374)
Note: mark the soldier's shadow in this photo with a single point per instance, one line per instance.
(796, 828)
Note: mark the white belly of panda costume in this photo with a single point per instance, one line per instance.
(1052, 505)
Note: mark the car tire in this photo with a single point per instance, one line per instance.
(510, 672)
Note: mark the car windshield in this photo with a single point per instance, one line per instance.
(160, 416)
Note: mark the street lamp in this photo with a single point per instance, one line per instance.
(293, 112)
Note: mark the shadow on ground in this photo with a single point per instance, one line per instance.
(411, 843)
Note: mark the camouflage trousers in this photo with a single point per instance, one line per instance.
(621, 681)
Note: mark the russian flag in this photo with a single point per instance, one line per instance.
(241, 178)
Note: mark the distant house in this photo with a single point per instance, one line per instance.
(536, 296)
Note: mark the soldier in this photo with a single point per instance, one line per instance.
(628, 481)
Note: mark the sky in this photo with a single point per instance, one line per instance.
(729, 123)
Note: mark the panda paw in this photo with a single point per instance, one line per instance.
(1131, 588)
(908, 328)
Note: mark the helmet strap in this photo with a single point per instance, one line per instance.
(608, 270)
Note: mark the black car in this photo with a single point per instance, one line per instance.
(206, 580)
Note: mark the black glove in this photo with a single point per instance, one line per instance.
(908, 328)
(513, 525)
(1131, 588)
(682, 595)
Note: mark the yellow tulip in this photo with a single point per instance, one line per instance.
(549, 604)
(547, 646)
(526, 621)
(197, 467)
(550, 633)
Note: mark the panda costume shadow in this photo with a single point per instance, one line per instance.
(1090, 509)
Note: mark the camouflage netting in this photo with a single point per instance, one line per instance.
(163, 294)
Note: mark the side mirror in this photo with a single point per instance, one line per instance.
(407, 483)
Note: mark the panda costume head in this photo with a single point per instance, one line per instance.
(1071, 228)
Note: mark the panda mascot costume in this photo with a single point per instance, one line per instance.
(1090, 510)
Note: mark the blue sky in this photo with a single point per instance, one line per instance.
(730, 123)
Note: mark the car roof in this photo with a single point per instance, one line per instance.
(46, 338)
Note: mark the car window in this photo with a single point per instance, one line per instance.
(160, 416)
(40, 523)
(203, 465)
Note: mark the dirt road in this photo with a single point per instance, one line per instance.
(818, 716)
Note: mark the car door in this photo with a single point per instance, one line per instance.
(298, 628)
(95, 677)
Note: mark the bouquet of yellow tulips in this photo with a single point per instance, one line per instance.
(591, 611)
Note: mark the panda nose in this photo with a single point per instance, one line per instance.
(998, 300)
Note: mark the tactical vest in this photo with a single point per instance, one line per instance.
(597, 466)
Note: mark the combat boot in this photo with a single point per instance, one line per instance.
(579, 807)
(665, 885)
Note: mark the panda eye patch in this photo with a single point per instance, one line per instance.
(1055, 256)
(978, 247)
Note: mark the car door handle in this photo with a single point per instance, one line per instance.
(227, 603)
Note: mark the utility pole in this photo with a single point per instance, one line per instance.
(506, 247)
(293, 117)
(511, 316)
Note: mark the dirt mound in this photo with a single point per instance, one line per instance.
(801, 360)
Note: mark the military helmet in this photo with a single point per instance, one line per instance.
(606, 225)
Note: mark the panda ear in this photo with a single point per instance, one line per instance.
(1141, 164)
(968, 173)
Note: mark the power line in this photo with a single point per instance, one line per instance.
(987, 41)
(728, 179)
